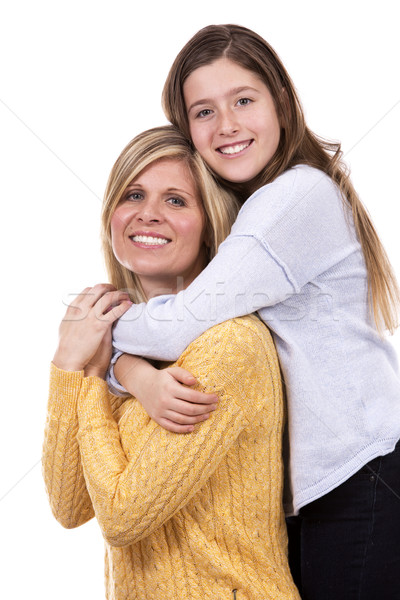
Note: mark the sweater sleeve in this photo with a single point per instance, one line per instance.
(62, 469)
(134, 496)
(61, 462)
(285, 235)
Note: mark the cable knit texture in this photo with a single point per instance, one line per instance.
(185, 517)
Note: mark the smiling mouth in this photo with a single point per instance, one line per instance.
(234, 149)
(149, 240)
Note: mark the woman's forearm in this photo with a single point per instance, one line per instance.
(62, 468)
(138, 484)
(134, 497)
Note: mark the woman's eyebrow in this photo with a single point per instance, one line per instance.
(178, 191)
(169, 190)
(134, 185)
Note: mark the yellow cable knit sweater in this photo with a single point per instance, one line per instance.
(185, 517)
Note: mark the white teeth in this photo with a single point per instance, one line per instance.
(148, 239)
(233, 149)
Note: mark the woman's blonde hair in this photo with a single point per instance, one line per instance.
(298, 144)
(163, 143)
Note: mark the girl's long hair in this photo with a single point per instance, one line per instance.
(298, 144)
(163, 143)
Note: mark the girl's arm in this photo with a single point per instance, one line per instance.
(166, 325)
(285, 235)
(139, 481)
(167, 395)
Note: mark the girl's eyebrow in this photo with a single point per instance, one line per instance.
(231, 92)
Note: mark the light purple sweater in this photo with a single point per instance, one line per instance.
(293, 257)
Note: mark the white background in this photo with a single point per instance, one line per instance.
(77, 81)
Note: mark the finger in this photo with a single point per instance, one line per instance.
(75, 310)
(117, 311)
(194, 396)
(181, 419)
(86, 299)
(98, 291)
(188, 410)
(182, 375)
(175, 427)
(105, 305)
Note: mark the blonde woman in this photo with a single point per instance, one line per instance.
(195, 516)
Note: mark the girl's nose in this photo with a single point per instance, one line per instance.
(228, 124)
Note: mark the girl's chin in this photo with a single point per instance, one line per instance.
(234, 173)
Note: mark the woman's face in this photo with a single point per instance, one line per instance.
(232, 119)
(158, 228)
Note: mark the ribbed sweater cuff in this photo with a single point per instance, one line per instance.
(94, 402)
(64, 391)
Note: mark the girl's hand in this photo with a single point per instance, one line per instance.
(87, 323)
(165, 394)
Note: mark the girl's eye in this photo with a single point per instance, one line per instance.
(204, 113)
(244, 101)
(176, 201)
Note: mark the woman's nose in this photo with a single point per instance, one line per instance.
(149, 212)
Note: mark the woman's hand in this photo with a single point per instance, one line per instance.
(85, 331)
(99, 363)
(166, 395)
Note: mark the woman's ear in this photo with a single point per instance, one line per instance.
(208, 242)
(207, 238)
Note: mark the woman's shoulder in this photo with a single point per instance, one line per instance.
(243, 339)
(238, 357)
(243, 328)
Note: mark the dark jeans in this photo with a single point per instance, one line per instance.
(346, 545)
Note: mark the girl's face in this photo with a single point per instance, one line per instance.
(232, 118)
(157, 229)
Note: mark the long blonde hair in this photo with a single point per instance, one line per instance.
(298, 144)
(220, 206)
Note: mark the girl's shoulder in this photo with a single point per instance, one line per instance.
(299, 181)
(301, 193)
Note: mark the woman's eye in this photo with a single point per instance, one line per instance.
(134, 196)
(244, 101)
(176, 201)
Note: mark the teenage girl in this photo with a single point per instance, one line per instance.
(305, 255)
